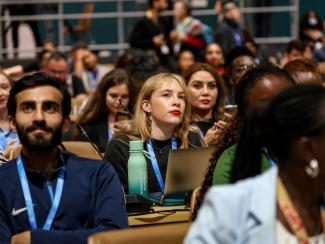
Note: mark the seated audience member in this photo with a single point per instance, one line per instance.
(214, 57)
(47, 195)
(308, 51)
(284, 204)
(142, 65)
(86, 68)
(257, 85)
(239, 60)
(57, 67)
(293, 51)
(8, 138)
(48, 47)
(36, 65)
(161, 120)
(304, 72)
(185, 59)
(188, 32)
(102, 109)
(206, 95)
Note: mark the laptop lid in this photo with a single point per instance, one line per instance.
(186, 168)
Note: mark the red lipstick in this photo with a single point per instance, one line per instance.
(175, 112)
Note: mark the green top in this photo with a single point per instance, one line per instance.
(221, 174)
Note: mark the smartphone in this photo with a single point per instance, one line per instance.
(230, 108)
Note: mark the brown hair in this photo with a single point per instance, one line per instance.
(218, 109)
(299, 69)
(96, 108)
(141, 125)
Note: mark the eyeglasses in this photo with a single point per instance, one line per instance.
(243, 67)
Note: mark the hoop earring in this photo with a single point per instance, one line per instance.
(312, 169)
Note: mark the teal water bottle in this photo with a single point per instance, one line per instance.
(137, 169)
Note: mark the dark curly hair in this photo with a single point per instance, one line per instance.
(230, 134)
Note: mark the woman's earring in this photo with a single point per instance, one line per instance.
(312, 169)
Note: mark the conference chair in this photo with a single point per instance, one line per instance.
(158, 234)
(79, 148)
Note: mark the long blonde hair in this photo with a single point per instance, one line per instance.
(140, 125)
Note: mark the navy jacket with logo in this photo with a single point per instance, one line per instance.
(92, 201)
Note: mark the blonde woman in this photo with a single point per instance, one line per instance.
(162, 115)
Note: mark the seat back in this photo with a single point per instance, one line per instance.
(80, 148)
(158, 234)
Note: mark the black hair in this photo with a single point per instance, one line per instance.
(224, 4)
(78, 45)
(57, 56)
(42, 53)
(142, 64)
(250, 78)
(296, 112)
(36, 80)
(294, 45)
(150, 3)
(237, 52)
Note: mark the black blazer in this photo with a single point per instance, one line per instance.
(97, 132)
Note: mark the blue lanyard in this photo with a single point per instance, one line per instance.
(110, 135)
(93, 82)
(154, 162)
(237, 37)
(28, 198)
(269, 159)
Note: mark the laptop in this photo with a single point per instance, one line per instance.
(186, 170)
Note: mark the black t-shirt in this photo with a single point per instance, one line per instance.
(117, 153)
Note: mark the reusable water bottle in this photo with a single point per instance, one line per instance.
(137, 169)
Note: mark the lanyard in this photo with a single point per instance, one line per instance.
(269, 158)
(93, 80)
(291, 215)
(237, 37)
(154, 162)
(55, 198)
(110, 134)
(201, 133)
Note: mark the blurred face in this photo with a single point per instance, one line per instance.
(268, 87)
(39, 120)
(202, 90)
(179, 11)
(90, 60)
(214, 55)
(57, 69)
(166, 105)
(115, 95)
(232, 12)
(308, 53)
(4, 92)
(294, 54)
(186, 59)
(49, 46)
(160, 5)
(239, 67)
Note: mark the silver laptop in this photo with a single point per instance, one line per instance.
(186, 170)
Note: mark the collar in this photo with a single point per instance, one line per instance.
(263, 200)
